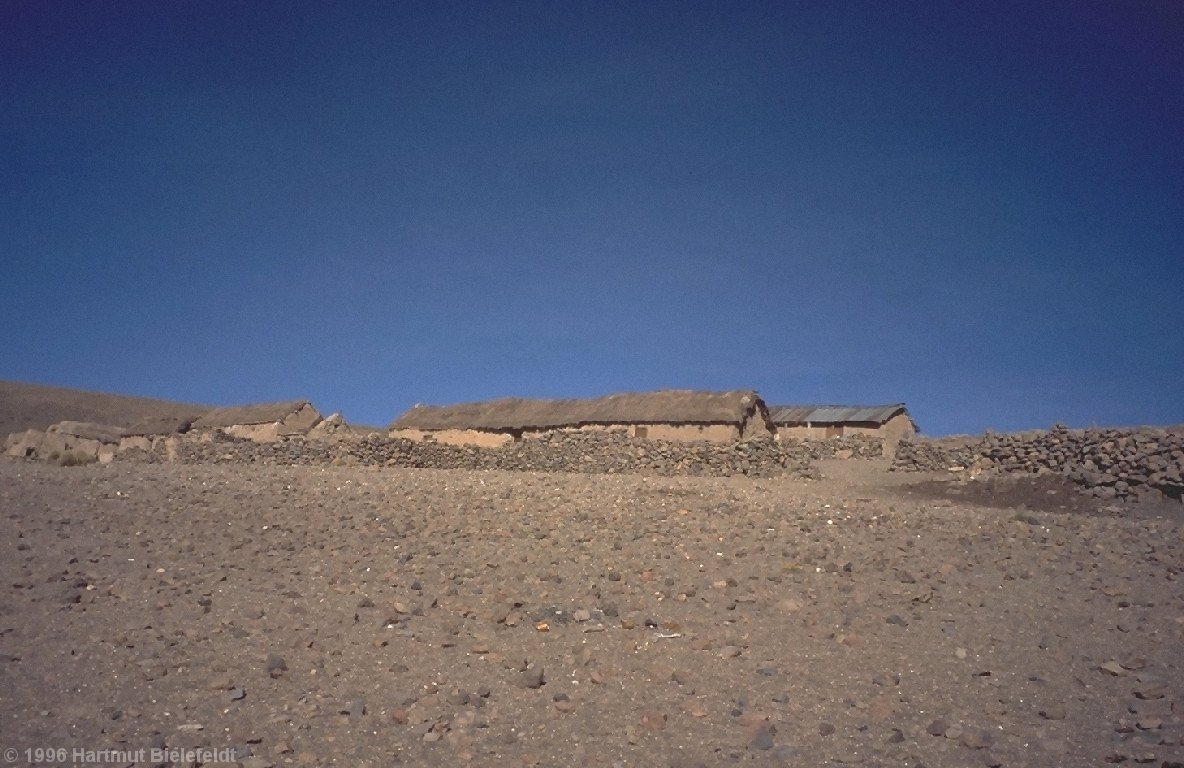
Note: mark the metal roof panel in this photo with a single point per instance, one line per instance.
(833, 414)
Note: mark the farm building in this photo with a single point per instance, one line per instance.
(665, 415)
(25, 444)
(263, 423)
(145, 432)
(96, 441)
(891, 422)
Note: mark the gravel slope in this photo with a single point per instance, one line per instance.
(373, 617)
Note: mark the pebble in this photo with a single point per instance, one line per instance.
(975, 738)
(1053, 712)
(532, 677)
(762, 737)
(276, 666)
(256, 762)
(653, 720)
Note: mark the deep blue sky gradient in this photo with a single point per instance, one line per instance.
(975, 208)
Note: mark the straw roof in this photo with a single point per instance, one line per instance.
(103, 433)
(262, 413)
(160, 425)
(665, 407)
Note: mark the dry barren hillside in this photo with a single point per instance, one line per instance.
(35, 406)
(375, 616)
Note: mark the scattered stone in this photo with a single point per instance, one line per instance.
(532, 677)
(761, 738)
(276, 666)
(1113, 668)
(255, 761)
(975, 738)
(1053, 712)
(653, 720)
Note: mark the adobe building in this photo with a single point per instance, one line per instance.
(812, 422)
(95, 441)
(24, 445)
(263, 423)
(145, 433)
(663, 415)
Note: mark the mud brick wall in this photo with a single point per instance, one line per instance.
(1107, 463)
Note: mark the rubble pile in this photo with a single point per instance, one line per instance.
(1107, 463)
(586, 452)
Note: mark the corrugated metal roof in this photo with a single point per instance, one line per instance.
(833, 414)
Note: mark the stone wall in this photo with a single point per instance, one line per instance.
(588, 452)
(1107, 463)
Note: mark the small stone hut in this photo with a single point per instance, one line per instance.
(96, 441)
(24, 445)
(145, 432)
(665, 415)
(263, 423)
(811, 422)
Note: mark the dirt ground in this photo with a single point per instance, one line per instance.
(374, 617)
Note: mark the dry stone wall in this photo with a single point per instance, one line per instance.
(588, 452)
(1108, 463)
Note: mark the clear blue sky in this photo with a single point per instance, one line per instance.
(976, 208)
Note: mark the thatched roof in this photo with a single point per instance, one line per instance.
(674, 406)
(263, 413)
(160, 425)
(104, 433)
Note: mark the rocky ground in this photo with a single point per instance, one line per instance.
(365, 616)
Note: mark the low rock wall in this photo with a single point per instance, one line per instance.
(563, 452)
(1107, 463)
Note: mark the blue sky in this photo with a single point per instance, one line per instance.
(974, 208)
